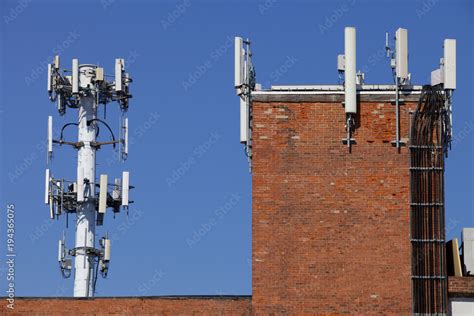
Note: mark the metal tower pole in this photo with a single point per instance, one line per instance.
(86, 211)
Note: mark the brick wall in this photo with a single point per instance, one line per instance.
(461, 286)
(330, 228)
(133, 306)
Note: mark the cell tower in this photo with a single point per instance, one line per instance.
(85, 88)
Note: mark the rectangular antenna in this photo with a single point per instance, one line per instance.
(436, 77)
(125, 187)
(239, 62)
(125, 136)
(401, 38)
(103, 194)
(350, 70)
(75, 76)
(60, 104)
(341, 63)
(118, 74)
(106, 249)
(50, 136)
(80, 184)
(99, 74)
(450, 64)
(243, 121)
(56, 62)
(50, 71)
(51, 210)
(59, 191)
(60, 251)
(46, 186)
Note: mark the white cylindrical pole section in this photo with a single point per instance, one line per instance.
(350, 72)
(86, 213)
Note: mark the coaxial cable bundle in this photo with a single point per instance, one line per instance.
(429, 144)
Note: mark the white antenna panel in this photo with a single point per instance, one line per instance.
(239, 62)
(106, 249)
(75, 75)
(103, 194)
(341, 62)
(243, 121)
(436, 77)
(46, 186)
(125, 187)
(80, 184)
(350, 70)
(56, 62)
(401, 39)
(118, 74)
(60, 103)
(60, 251)
(50, 70)
(51, 210)
(125, 136)
(99, 74)
(50, 136)
(450, 64)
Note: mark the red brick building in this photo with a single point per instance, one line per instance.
(330, 227)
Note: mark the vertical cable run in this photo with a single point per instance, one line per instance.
(429, 144)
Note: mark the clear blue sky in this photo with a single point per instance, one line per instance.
(185, 113)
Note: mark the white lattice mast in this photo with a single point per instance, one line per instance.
(85, 89)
